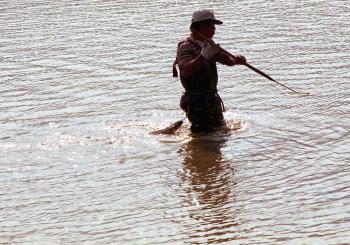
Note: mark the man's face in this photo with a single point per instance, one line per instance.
(207, 29)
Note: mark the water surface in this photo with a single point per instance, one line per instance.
(83, 84)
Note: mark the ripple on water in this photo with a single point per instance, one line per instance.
(84, 84)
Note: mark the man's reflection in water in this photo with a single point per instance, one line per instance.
(208, 180)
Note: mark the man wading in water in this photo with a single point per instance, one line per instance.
(197, 63)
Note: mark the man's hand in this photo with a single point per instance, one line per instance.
(209, 51)
(240, 60)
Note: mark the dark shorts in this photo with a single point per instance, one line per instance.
(205, 112)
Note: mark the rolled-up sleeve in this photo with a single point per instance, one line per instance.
(185, 54)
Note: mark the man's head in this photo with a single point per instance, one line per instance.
(204, 21)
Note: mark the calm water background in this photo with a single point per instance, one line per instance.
(84, 82)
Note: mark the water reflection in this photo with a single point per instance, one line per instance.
(208, 183)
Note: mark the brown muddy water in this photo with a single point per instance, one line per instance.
(84, 82)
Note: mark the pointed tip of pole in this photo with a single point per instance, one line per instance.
(305, 93)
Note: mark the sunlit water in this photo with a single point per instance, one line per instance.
(83, 84)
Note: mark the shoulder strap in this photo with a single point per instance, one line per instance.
(175, 73)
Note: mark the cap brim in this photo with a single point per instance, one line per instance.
(217, 22)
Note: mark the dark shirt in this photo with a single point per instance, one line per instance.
(204, 80)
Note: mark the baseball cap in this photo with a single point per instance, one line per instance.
(203, 15)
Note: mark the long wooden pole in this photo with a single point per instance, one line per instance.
(248, 65)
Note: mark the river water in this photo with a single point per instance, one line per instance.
(84, 82)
